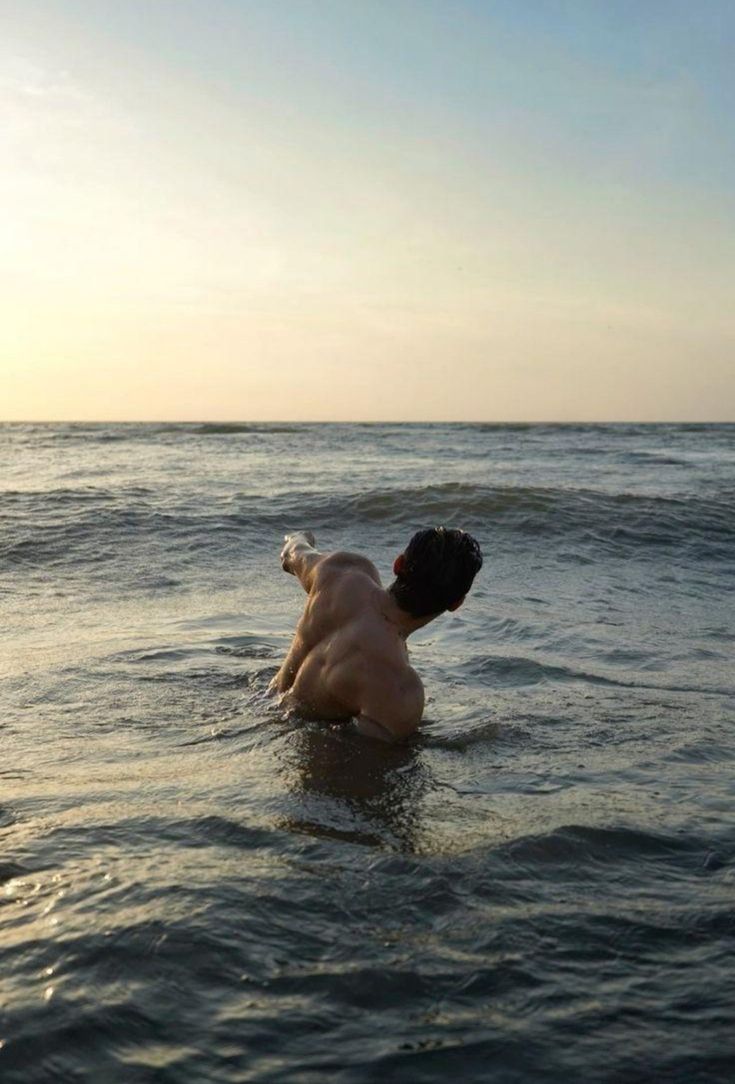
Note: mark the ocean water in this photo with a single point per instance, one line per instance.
(540, 887)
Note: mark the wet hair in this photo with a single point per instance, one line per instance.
(440, 565)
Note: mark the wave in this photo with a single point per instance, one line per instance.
(227, 429)
(602, 524)
(577, 843)
(122, 430)
(653, 458)
(43, 499)
(146, 431)
(514, 671)
(611, 521)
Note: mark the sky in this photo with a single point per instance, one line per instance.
(367, 210)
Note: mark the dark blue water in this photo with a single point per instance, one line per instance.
(540, 887)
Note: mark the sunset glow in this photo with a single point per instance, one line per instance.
(334, 210)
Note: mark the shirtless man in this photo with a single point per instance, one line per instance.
(348, 659)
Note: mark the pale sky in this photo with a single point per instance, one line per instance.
(367, 209)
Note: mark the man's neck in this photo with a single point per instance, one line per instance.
(404, 622)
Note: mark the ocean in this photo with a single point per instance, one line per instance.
(539, 887)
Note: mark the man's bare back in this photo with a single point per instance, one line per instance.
(349, 658)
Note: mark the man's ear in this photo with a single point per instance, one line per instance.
(399, 564)
(456, 605)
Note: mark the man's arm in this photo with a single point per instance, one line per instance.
(300, 558)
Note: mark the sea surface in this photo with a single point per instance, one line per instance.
(540, 887)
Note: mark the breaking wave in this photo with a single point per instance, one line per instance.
(611, 524)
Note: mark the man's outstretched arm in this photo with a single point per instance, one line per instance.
(300, 558)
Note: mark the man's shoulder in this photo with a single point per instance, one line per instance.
(343, 563)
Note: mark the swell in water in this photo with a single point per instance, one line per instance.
(56, 524)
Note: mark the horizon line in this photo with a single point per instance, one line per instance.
(363, 421)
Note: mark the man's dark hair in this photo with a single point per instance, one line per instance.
(440, 565)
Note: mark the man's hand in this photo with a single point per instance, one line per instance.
(296, 544)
